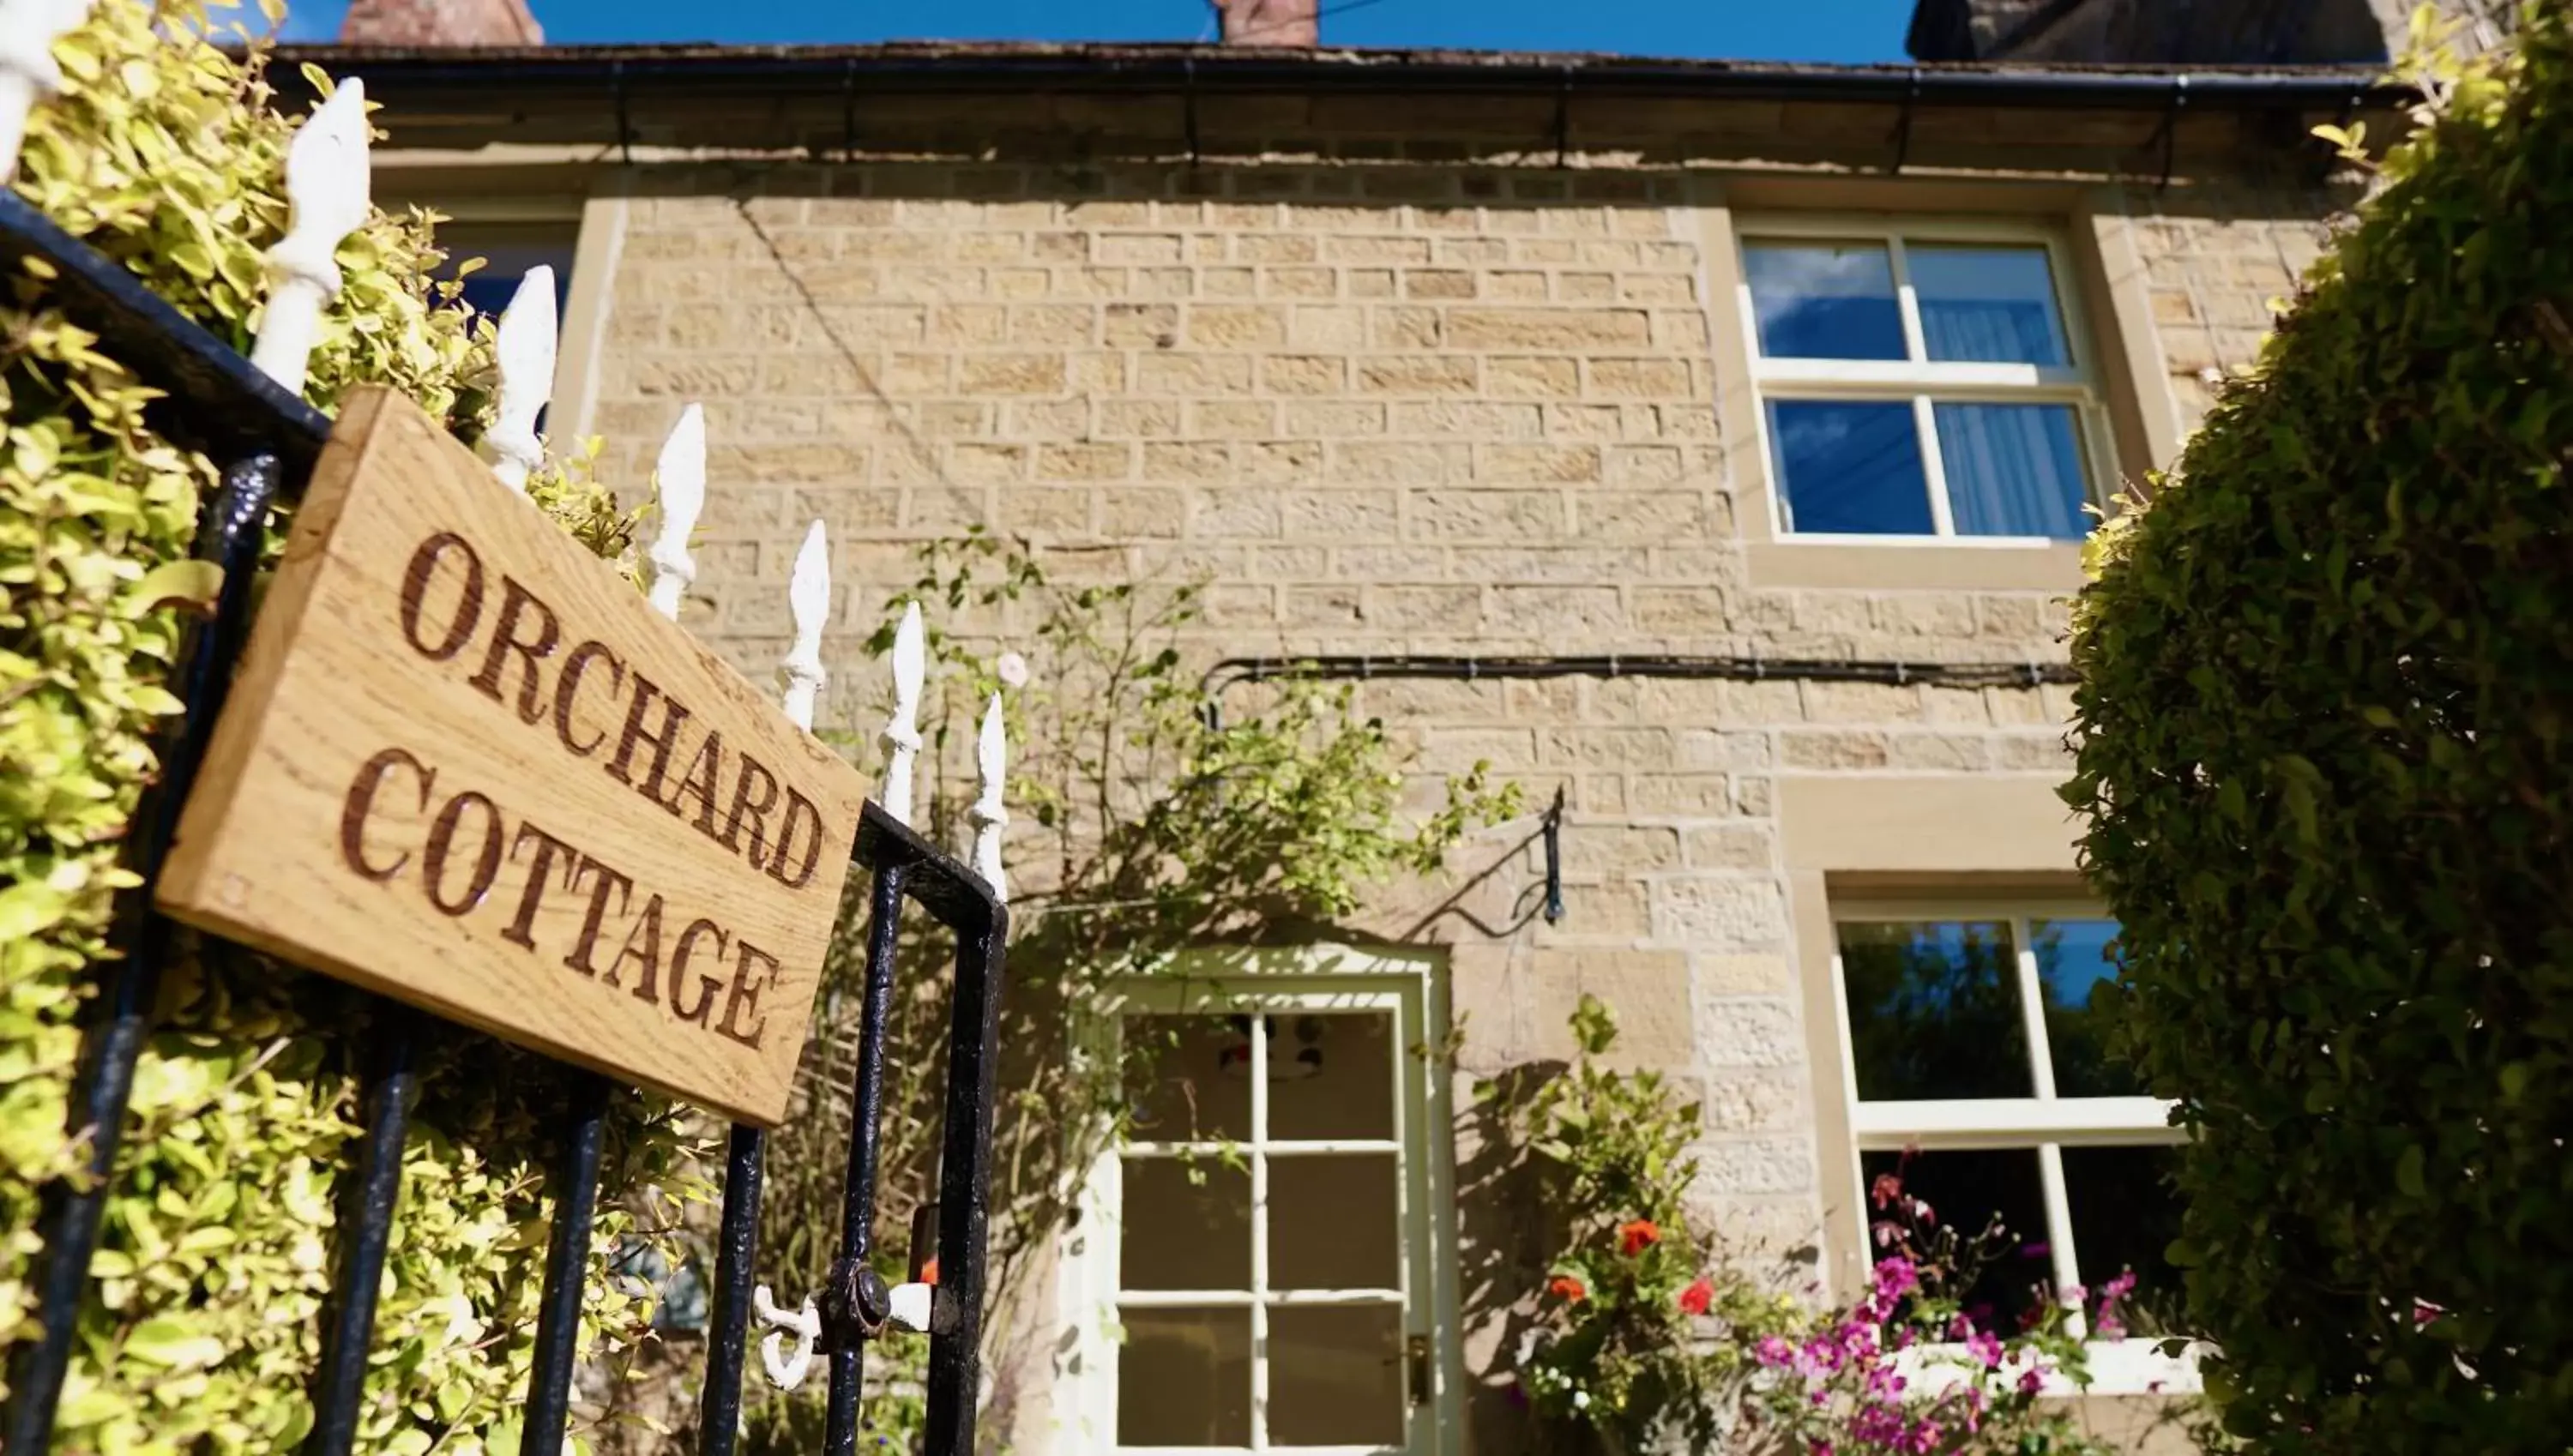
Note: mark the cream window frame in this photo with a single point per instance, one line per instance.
(1917, 379)
(2045, 1123)
(1318, 979)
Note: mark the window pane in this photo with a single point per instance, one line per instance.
(2014, 470)
(1187, 1224)
(1969, 1193)
(2078, 976)
(1824, 300)
(2125, 1214)
(1850, 467)
(1183, 1378)
(1334, 1223)
(1934, 1010)
(1189, 1078)
(1987, 305)
(505, 260)
(1330, 1077)
(1335, 1376)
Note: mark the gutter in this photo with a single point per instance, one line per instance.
(1216, 71)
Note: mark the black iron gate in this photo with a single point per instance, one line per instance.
(266, 441)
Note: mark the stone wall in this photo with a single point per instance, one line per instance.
(1426, 410)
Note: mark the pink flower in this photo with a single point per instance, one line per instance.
(2032, 1380)
(1696, 1298)
(1983, 1346)
(2424, 1312)
(1773, 1352)
(1896, 1277)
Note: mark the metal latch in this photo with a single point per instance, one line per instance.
(1415, 1354)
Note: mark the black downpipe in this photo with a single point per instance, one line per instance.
(1232, 670)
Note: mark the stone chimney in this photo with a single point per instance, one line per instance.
(2153, 32)
(1270, 22)
(439, 23)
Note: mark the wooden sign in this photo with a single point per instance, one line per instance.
(467, 766)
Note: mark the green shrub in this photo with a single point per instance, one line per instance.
(2327, 684)
(199, 1329)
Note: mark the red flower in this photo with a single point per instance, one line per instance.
(1566, 1288)
(1634, 1238)
(1696, 1298)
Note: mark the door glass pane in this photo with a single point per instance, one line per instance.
(1183, 1378)
(1333, 1222)
(1335, 1376)
(1853, 468)
(2014, 470)
(1934, 1010)
(1187, 1224)
(1971, 1192)
(1824, 300)
(2079, 978)
(2125, 1215)
(1330, 1077)
(1189, 1078)
(1988, 305)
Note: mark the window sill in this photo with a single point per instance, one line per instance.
(2127, 1367)
(1913, 563)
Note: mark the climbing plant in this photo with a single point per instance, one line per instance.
(1143, 829)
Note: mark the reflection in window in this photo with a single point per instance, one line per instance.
(2079, 980)
(1934, 1010)
(1183, 1378)
(2125, 1215)
(1987, 305)
(1335, 1376)
(1850, 467)
(1824, 300)
(2014, 470)
(1187, 1224)
(1920, 387)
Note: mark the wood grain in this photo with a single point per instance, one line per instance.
(466, 765)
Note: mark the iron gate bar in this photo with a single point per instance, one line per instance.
(854, 1300)
(576, 1183)
(736, 1249)
(231, 529)
(366, 1229)
(906, 866)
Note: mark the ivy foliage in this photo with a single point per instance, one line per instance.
(2327, 733)
(198, 1331)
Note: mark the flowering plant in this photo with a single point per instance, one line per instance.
(1650, 1337)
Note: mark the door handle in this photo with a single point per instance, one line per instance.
(1415, 1358)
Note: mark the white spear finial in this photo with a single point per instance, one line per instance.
(808, 601)
(327, 183)
(28, 71)
(991, 753)
(526, 351)
(680, 479)
(902, 733)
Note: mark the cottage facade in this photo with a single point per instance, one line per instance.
(1443, 355)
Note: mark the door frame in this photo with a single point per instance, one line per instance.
(1410, 981)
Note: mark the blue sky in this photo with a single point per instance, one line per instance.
(1787, 30)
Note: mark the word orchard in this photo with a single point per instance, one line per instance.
(467, 766)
